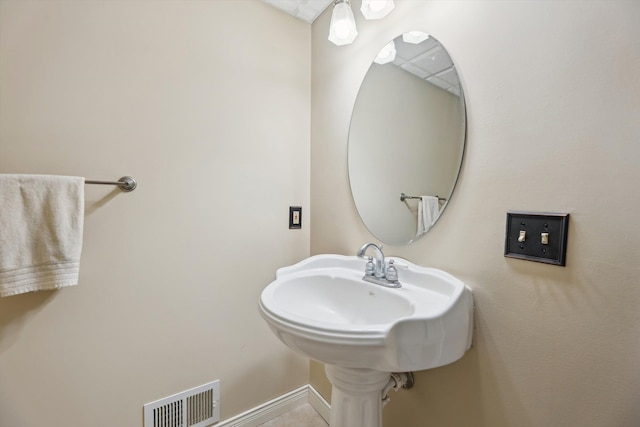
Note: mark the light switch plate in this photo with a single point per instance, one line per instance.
(527, 232)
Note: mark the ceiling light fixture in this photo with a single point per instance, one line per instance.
(414, 37)
(386, 54)
(376, 9)
(342, 29)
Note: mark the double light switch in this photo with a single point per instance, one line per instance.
(544, 237)
(540, 237)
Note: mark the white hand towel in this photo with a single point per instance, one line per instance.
(41, 224)
(428, 212)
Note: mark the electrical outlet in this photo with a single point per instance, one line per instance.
(295, 217)
(540, 237)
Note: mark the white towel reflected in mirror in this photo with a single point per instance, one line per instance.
(428, 212)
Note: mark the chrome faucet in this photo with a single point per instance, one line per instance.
(379, 268)
(381, 273)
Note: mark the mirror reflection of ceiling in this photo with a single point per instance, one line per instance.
(428, 61)
(307, 10)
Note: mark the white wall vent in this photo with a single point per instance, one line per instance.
(197, 407)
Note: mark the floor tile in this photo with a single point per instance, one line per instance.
(304, 416)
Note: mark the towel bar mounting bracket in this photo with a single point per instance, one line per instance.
(126, 183)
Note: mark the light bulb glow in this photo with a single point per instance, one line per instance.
(342, 29)
(376, 9)
(377, 5)
(414, 37)
(386, 54)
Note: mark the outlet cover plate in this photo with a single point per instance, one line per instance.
(295, 217)
(524, 236)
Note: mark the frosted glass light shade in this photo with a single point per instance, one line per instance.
(414, 37)
(376, 9)
(386, 54)
(342, 29)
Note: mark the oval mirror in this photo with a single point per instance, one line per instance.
(406, 139)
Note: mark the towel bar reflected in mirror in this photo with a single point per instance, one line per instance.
(404, 197)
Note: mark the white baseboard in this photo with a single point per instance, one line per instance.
(321, 406)
(279, 406)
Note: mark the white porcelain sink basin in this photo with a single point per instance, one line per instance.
(323, 309)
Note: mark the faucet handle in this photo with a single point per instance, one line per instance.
(392, 272)
(399, 265)
(369, 269)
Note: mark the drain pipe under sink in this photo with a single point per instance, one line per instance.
(397, 380)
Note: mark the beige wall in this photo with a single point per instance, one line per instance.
(217, 129)
(206, 103)
(553, 93)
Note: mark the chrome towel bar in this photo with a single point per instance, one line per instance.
(126, 183)
(404, 197)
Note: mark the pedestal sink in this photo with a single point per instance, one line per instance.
(321, 308)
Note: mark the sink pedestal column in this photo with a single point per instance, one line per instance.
(356, 397)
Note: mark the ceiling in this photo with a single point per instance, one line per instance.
(427, 60)
(307, 10)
